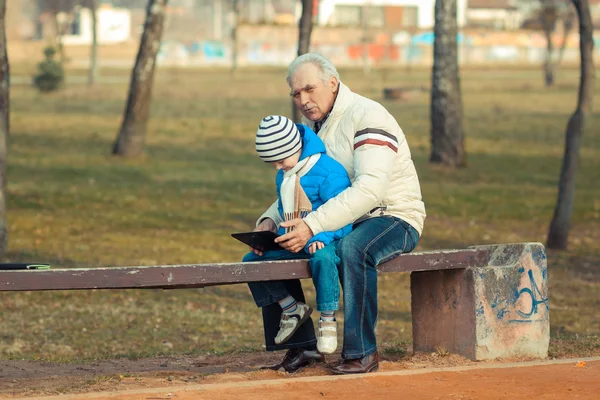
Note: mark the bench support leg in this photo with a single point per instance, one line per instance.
(495, 311)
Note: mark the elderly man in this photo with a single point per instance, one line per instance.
(384, 204)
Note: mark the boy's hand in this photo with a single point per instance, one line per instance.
(266, 224)
(314, 246)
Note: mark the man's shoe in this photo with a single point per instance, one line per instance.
(363, 365)
(289, 323)
(327, 337)
(296, 359)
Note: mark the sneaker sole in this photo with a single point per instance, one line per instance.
(326, 350)
(303, 320)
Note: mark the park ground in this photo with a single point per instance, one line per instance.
(423, 377)
(73, 204)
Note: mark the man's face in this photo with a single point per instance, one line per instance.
(313, 97)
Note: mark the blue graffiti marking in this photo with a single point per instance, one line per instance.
(536, 297)
(539, 257)
(500, 306)
(480, 310)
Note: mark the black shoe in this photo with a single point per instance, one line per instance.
(296, 359)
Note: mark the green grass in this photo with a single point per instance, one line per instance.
(73, 204)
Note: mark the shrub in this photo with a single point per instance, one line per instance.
(51, 74)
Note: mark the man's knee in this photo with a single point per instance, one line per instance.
(355, 254)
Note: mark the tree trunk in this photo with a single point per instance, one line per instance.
(567, 27)
(304, 32)
(549, 17)
(558, 234)
(62, 25)
(130, 141)
(59, 41)
(234, 39)
(93, 71)
(447, 141)
(548, 65)
(4, 125)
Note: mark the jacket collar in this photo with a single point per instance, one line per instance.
(311, 144)
(343, 100)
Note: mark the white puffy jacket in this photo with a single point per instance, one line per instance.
(366, 139)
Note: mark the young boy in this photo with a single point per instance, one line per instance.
(306, 179)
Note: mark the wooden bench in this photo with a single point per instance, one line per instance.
(460, 298)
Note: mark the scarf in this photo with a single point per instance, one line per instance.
(293, 198)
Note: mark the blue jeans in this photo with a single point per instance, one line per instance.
(370, 243)
(324, 265)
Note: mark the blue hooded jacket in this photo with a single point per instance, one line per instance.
(326, 179)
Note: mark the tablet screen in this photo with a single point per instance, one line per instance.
(260, 240)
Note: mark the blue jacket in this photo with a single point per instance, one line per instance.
(326, 179)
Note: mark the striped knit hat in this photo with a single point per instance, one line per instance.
(277, 138)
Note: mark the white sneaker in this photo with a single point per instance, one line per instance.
(327, 337)
(289, 323)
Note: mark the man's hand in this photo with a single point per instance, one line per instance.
(314, 246)
(266, 224)
(295, 240)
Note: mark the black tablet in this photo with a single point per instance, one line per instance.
(260, 240)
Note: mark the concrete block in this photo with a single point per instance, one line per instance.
(496, 311)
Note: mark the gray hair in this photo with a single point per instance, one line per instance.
(324, 64)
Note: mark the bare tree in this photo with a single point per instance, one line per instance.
(4, 125)
(234, 39)
(304, 32)
(447, 138)
(552, 12)
(549, 15)
(93, 71)
(64, 12)
(568, 23)
(131, 137)
(559, 227)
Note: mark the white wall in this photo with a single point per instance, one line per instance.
(426, 9)
(501, 19)
(114, 26)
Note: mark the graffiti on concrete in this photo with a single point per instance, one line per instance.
(530, 298)
(524, 299)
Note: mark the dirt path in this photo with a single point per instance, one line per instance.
(572, 379)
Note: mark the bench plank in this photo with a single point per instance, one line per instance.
(200, 275)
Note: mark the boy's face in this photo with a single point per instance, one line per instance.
(287, 163)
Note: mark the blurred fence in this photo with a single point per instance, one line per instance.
(185, 44)
(273, 45)
(199, 33)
